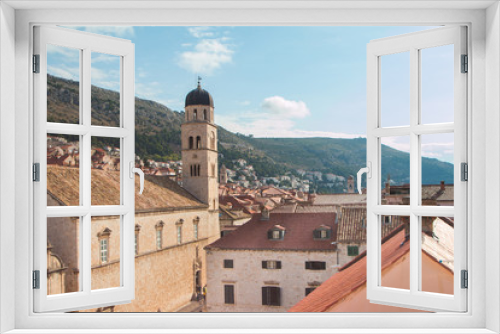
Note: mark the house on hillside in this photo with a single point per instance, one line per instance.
(270, 263)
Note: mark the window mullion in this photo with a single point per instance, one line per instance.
(414, 168)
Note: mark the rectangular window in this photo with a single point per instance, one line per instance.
(195, 227)
(228, 264)
(271, 296)
(228, 294)
(352, 250)
(159, 240)
(179, 234)
(104, 250)
(271, 264)
(309, 290)
(315, 265)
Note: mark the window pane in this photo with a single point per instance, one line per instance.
(105, 159)
(437, 169)
(105, 250)
(436, 84)
(63, 84)
(395, 89)
(63, 170)
(437, 254)
(395, 170)
(105, 89)
(395, 248)
(63, 255)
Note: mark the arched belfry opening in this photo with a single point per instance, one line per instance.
(205, 116)
(191, 143)
(198, 142)
(195, 115)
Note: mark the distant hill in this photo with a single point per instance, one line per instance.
(158, 137)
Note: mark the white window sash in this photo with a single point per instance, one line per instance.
(86, 297)
(415, 298)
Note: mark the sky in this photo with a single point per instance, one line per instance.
(278, 81)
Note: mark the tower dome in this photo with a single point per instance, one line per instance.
(199, 96)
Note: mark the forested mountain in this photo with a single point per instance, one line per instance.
(158, 137)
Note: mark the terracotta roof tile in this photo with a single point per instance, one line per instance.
(299, 233)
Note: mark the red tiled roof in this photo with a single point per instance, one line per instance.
(299, 233)
(352, 276)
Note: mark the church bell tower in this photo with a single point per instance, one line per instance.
(199, 148)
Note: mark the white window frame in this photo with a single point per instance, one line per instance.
(379, 214)
(85, 43)
(484, 48)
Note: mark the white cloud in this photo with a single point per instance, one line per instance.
(272, 126)
(118, 31)
(64, 71)
(200, 32)
(208, 55)
(109, 79)
(278, 105)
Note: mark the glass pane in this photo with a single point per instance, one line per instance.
(105, 159)
(437, 169)
(63, 255)
(63, 170)
(395, 170)
(105, 89)
(63, 84)
(395, 89)
(395, 250)
(105, 251)
(437, 254)
(436, 84)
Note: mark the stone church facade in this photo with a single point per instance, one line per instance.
(173, 224)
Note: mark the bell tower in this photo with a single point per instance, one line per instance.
(199, 148)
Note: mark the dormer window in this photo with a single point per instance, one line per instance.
(276, 233)
(322, 233)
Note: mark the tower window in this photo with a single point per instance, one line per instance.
(191, 143)
(195, 114)
(179, 234)
(198, 174)
(198, 142)
(205, 114)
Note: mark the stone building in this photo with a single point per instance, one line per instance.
(173, 224)
(271, 262)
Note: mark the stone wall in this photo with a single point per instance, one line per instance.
(248, 278)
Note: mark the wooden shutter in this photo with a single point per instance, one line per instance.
(275, 296)
(264, 264)
(308, 265)
(317, 234)
(278, 264)
(229, 294)
(270, 234)
(228, 264)
(328, 233)
(265, 294)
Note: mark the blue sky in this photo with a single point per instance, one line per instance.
(276, 81)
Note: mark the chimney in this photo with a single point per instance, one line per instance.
(264, 213)
(442, 185)
(388, 188)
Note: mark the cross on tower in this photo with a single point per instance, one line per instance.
(199, 80)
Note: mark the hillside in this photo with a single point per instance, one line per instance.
(158, 137)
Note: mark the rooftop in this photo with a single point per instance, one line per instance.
(298, 236)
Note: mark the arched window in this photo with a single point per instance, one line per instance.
(205, 114)
(191, 143)
(195, 114)
(212, 140)
(191, 170)
(198, 142)
(198, 174)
